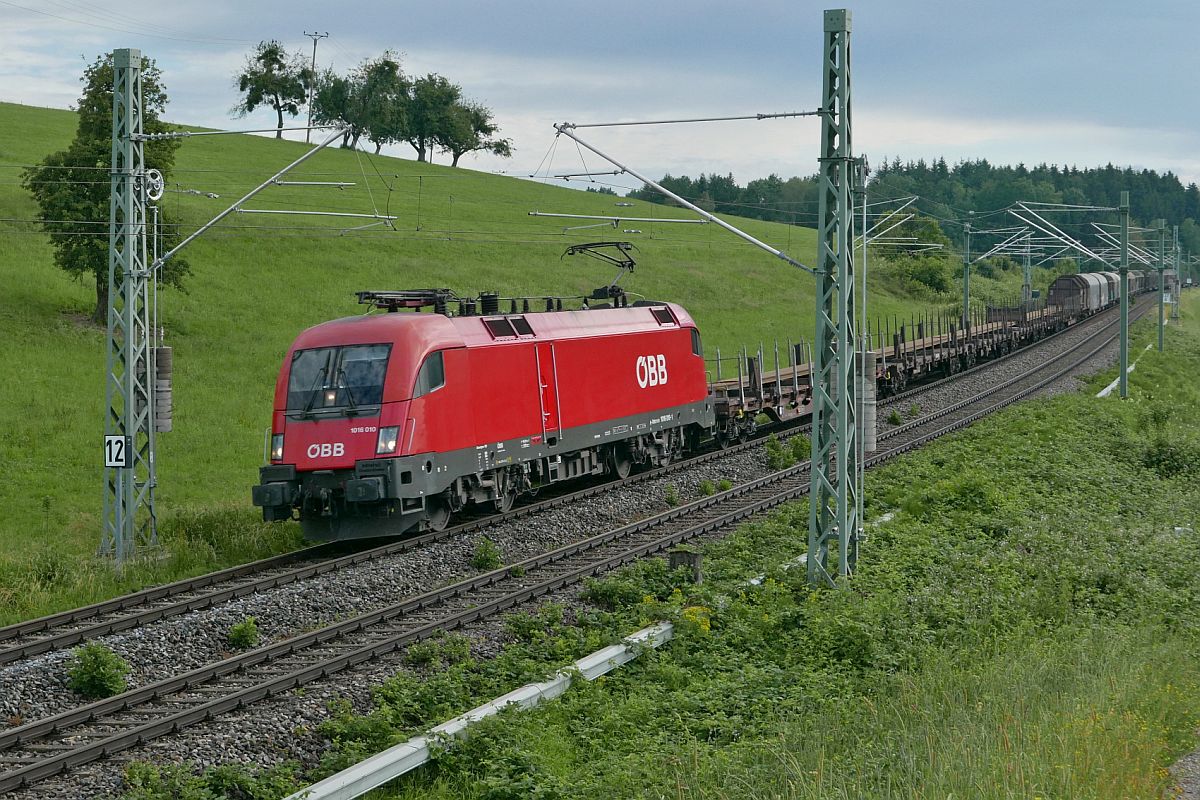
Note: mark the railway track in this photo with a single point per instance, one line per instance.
(66, 629)
(47, 747)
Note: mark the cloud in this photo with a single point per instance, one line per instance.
(34, 73)
(1011, 140)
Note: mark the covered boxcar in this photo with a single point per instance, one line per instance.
(1113, 288)
(1080, 294)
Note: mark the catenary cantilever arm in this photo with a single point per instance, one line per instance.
(565, 130)
(158, 262)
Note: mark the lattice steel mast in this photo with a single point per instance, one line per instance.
(1177, 294)
(1161, 225)
(966, 308)
(1124, 272)
(833, 518)
(129, 477)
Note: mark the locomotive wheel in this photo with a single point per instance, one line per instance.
(504, 502)
(619, 462)
(438, 514)
(506, 494)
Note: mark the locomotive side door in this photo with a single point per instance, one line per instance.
(548, 389)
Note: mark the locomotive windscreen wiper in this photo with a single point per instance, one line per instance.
(312, 392)
(352, 409)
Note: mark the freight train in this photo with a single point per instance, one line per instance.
(393, 422)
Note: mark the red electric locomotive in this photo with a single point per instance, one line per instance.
(386, 423)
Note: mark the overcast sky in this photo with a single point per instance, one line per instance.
(1082, 83)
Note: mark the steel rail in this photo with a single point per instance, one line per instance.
(793, 478)
(80, 633)
(154, 593)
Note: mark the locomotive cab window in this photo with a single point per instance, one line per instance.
(432, 375)
(697, 347)
(337, 379)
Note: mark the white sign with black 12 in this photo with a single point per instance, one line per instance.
(116, 452)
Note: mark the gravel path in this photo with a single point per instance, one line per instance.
(283, 728)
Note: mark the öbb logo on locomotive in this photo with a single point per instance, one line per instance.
(326, 450)
(652, 370)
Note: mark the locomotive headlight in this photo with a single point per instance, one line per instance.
(277, 447)
(388, 439)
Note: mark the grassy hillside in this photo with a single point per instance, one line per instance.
(259, 279)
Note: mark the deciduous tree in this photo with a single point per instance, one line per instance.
(72, 187)
(335, 101)
(385, 92)
(372, 101)
(470, 128)
(275, 78)
(429, 106)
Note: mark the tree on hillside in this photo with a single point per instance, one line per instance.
(276, 78)
(384, 89)
(469, 129)
(429, 105)
(371, 101)
(335, 101)
(918, 268)
(72, 187)
(920, 230)
(379, 102)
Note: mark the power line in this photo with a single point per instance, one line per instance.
(101, 15)
(573, 125)
(120, 29)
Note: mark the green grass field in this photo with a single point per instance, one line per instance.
(1023, 624)
(259, 279)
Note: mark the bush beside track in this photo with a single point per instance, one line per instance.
(1024, 626)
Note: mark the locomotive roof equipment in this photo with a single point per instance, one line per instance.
(621, 258)
(408, 298)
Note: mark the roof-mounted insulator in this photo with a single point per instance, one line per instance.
(489, 303)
